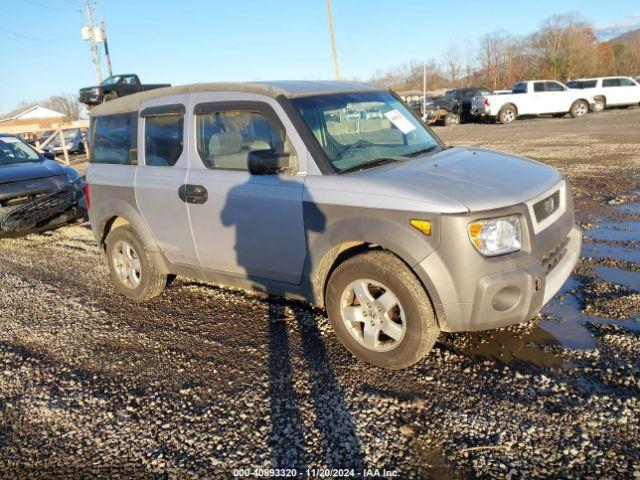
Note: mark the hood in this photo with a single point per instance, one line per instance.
(18, 172)
(477, 178)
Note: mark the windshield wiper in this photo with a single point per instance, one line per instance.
(420, 151)
(370, 163)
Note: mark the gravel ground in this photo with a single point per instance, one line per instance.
(206, 379)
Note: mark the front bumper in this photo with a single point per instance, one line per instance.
(44, 212)
(471, 292)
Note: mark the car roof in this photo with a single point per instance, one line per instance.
(597, 78)
(290, 89)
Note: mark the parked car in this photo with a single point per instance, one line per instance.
(372, 112)
(397, 235)
(608, 91)
(352, 114)
(533, 97)
(114, 87)
(74, 141)
(441, 109)
(464, 96)
(36, 192)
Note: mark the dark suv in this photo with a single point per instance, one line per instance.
(463, 96)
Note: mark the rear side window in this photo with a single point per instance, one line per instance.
(163, 139)
(611, 82)
(113, 138)
(225, 138)
(554, 87)
(520, 88)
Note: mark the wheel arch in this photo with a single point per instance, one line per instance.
(340, 243)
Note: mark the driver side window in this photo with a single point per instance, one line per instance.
(225, 138)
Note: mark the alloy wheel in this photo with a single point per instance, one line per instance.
(373, 315)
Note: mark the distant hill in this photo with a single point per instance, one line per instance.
(627, 37)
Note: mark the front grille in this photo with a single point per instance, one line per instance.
(544, 208)
(34, 212)
(552, 258)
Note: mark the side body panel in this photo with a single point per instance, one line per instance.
(157, 197)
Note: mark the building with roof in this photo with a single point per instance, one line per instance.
(32, 117)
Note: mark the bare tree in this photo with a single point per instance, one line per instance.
(452, 62)
(66, 104)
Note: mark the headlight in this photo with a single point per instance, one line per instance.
(496, 236)
(74, 178)
(96, 91)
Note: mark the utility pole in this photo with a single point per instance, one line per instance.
(424, 91)
(106, 47)
(336, 71)
(94, 47)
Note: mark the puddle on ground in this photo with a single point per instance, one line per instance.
(507, 346)
(610, 251)
(619, 276)
(568, 323)
(620, 231)
(630, 208)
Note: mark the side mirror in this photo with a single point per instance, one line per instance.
(49, 155)
(268, 162)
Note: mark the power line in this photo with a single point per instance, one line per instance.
(42, 5)
(26, 37)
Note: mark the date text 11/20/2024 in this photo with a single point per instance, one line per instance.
(315, 473)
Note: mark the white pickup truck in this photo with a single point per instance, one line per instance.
(608, 91)
(534, 97)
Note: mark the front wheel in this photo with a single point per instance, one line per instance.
(598, 104)
(451, 119)
(380, 311)
(132, 266)
(579, 109)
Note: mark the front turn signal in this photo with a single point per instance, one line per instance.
(422, 225)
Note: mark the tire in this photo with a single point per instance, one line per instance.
(147, 281)
(579, 109)
(599, 104)
(412, 316)
(507, 114)
(451, 119)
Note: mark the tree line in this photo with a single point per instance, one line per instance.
(564, 47)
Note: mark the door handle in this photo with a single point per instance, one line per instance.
(195, 194)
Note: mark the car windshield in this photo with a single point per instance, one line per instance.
(353, 143)
(13, 150)
(111, 80)
(70, 134)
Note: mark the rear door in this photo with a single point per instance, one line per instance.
(629, 91)
(243, 224)
(162, 172)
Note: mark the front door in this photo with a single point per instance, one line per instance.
(162, 172)
(244, 224)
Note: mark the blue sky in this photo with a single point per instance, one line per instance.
(217, 40)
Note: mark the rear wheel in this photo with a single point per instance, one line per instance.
(579, 109)
(380, 311)
(599, 104)
(132, 266)
(507, 114)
